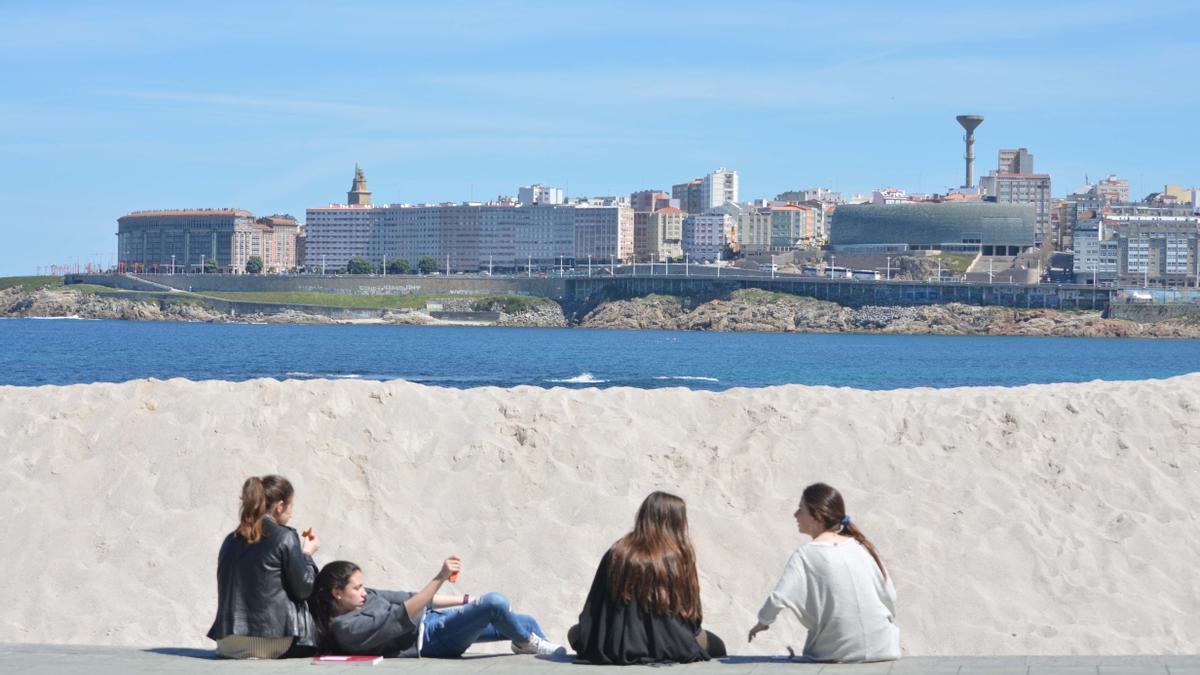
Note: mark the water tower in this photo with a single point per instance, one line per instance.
(969, 122)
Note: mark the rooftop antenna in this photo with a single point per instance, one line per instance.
(970, 122)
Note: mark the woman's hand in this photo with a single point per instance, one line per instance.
(451, 565)
(309, 543)
(758, 628)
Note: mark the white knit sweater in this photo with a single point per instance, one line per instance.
(840, 596)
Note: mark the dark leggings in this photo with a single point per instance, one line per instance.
(709, 642)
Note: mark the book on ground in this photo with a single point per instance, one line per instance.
(348, 660)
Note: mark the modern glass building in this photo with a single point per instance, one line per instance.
(990, 228)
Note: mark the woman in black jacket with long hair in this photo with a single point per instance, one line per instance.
(265, 572)
(644, 604)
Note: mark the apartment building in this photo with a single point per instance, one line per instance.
(658, 235)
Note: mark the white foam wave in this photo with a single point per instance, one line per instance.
(695, 378)
(582, 378)
(326, 376)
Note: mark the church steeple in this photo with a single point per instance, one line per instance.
(359, 193)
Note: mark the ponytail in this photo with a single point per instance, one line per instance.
(826, 505)
(850, 530)
(259, 495)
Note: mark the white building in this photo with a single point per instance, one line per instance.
(889, 195)
(718, 188)
(704, 236)
(529, 195)
(604, 233)
(337, 233)
(1094, 257)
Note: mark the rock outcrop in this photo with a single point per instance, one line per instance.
(744, 310)
(752, 310)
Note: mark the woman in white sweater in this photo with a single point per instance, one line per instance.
(837, 585)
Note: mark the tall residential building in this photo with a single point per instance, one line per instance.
(658, 235)
(1015, 161)
(1159, 245)
(529, 195)
(707, 192)
(718, 188)
(604, 233)
(279, 237)
(754, 230)
(650, 200)
(335, 234)
(688, 195)
(1095, 258)
(186, 240)
(1023, 187)
(792, 227)
(706, 236)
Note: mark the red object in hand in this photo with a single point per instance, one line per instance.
(307, 534)
(453, 577)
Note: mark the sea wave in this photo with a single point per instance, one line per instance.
(582, 378)
(73, 317)
(300, 374)
(694, 378)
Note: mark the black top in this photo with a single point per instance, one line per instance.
(613, 632)
(261, 588)
(382, 627)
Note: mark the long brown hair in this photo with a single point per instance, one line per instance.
(259, 495)
(825, 504)
(655, 563)
(333, 576)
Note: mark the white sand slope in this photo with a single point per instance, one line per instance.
(1041, 519)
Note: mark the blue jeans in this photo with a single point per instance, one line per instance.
(449, 632)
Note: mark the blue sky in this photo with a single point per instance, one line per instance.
(108, 107)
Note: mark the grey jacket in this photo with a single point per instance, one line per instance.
(261, 588)
(381, 628)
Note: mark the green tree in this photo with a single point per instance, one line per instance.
(427, 265)
(399, 267)
(359, 266)
(254, 265)
(210, 266)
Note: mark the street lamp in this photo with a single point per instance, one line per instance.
(201, 263)
(889, 268)
(172, 264)
(687, 264)
(589, 264)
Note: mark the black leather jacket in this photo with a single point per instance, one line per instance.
(261, 588)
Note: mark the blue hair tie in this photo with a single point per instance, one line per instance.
(845, 520)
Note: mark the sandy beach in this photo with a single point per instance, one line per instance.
(1046, 519)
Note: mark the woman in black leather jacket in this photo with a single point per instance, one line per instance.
(265, 572)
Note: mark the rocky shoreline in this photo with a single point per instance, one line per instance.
(744, 310)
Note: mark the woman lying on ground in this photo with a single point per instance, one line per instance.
(353, 619)
(644, 604)
(837, 585)
(264, 575)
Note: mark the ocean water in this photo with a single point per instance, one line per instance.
(66, 351)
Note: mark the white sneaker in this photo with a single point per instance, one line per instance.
(540, 647)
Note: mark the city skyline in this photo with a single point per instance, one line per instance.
(133, 106)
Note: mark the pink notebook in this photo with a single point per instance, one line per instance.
(348, 660)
